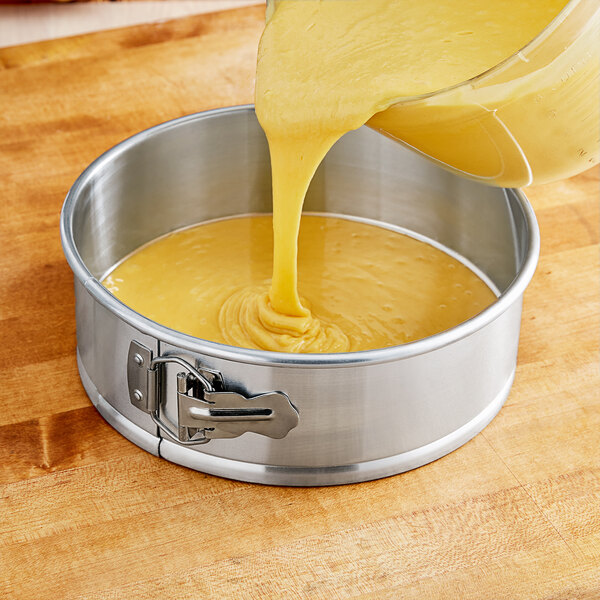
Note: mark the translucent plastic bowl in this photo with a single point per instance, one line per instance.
(532, 118)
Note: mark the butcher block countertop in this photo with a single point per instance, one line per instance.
(513, 514)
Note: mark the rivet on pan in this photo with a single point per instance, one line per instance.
(138, 396)
(138, 359)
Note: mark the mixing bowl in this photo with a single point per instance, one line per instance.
(278, 418)
(533, 118)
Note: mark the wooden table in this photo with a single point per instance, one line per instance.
(84, 513)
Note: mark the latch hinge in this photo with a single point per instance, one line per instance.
(205, 410)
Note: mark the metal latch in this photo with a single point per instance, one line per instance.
(205, 410)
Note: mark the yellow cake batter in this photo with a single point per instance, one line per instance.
(367, 287)
(325, 68)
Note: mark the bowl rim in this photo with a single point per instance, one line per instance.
(262, 357)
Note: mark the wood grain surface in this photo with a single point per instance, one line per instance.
(85, 514)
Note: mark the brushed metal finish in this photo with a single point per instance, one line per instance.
(205, 410)
(140, 437)
(103, 345)
(141, 395)
(339, 474)
(371, 409)
(230, 414)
